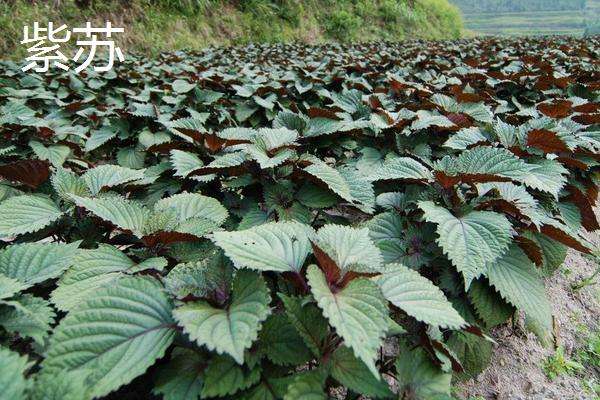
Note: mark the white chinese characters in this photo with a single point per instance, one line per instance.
(45, 42)
(45, 54)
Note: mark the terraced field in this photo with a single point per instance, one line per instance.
(528, 23)
(574, 22)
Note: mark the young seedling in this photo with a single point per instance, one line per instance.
(560, 364)
(591, 280)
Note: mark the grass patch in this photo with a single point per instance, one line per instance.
(152, 27)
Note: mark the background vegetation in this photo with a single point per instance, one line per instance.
(519, 5)
(152, 26)
(531, 17)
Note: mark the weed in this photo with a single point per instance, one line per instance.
(589, 355)
(559, 364)
(591, 280)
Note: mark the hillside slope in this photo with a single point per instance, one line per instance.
(152, 26)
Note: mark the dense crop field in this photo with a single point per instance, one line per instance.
(288, 221)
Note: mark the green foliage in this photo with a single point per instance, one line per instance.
(28, 316)
(308, 321)
(418, 377)
(471, 241)
(589, 353)
(354, 374)
(149, 27)
(488, 304)
(560, 364)
(59, 385)
(517, 281)
(269, 247)
(31, 263)
(182, 378)
(357, 312)
(24, 214)
(12, 370)
(474, 352)
(342, 24)
(418, 297)
(115, 335)
(232, 330)
(223, 377)
(307, 386)
(281, 342)
(289, 221)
